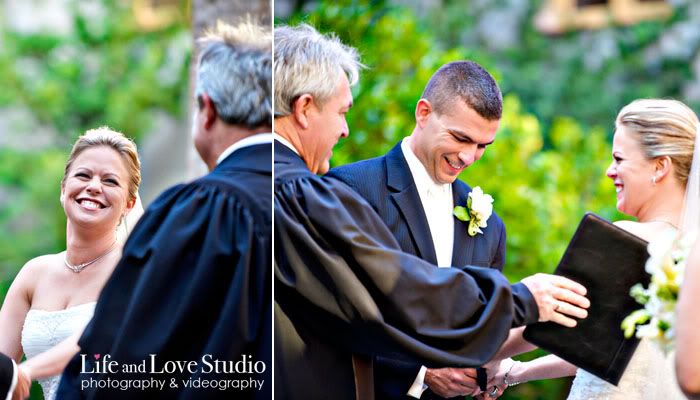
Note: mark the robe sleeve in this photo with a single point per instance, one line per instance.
(341, 273)
(8, 377)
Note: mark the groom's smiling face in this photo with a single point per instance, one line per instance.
(448, 143)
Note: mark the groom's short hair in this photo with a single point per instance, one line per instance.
(468, 81)
(235, 71)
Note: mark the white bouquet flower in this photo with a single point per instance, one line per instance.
(666, 265)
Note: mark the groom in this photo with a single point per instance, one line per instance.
(414, 188)
(343, 289)
(193, 289)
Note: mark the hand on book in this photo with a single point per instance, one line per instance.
(558, 298)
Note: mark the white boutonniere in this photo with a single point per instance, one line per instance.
(477, 212)
(666, 265)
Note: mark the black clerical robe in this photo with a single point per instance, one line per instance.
(194, 281)
(8, 375)
(343, 286)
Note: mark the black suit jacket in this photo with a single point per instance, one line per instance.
(7, 372)
(387, 184)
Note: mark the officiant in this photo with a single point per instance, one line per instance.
(344, 290)
(194, 282)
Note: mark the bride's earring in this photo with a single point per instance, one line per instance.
(653, 180)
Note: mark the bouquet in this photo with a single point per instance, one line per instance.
(666, 265)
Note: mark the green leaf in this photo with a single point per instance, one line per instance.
(629, 324)
(473, 229)
(639, 294)
(461, 213)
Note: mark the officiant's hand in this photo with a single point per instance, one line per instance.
(558, 298)
(452, 382)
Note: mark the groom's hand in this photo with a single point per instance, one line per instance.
(558, 298)
(452, 382)
(24, 384)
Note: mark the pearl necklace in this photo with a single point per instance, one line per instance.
(665, 222)
(79, 267)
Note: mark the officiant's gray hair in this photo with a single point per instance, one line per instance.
(235, 71)
(307, 62)
(662, 128)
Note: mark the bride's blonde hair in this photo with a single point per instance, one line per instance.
(103, 136)
(662, 128)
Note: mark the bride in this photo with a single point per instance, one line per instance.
(652, 155)
(53, 296)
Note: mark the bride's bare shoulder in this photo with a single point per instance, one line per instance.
(627, 225)
(634, 228)
(646, 231)
(38, 266)
(28, 277)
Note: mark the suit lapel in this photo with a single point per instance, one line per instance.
(405, 196)
(463, 247)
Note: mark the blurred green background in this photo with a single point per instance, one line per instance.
(561, 95)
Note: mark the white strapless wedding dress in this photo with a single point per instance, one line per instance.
(649, 376)
(45, 329)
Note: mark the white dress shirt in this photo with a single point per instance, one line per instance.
(285, 142)
(438, 203)
(258, 138)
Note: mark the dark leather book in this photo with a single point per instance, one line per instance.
(608, 261)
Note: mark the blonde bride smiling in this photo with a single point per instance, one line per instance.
(53, 296)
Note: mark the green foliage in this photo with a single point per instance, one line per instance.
(400, 60)
(586, 75)
(30, 212)
(108, 73)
